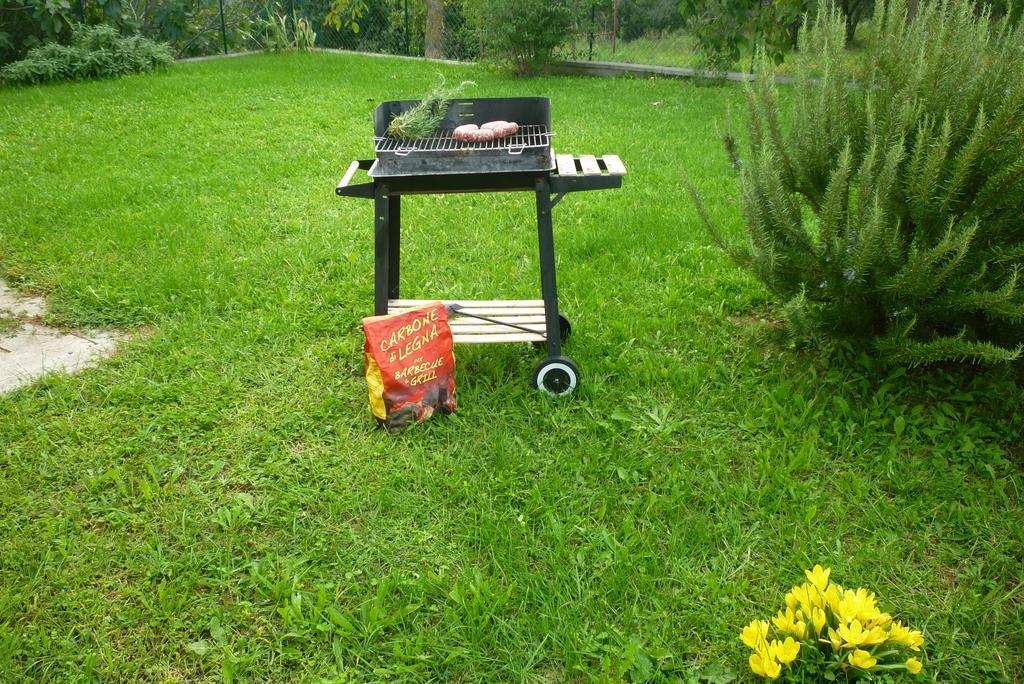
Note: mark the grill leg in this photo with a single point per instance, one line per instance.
(548, 282)
(394, 244)
(381, 249)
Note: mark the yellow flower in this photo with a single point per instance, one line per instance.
(835, 639)
(762, 664)
(913, 665)
(787, 651)
(754, 634)
(803, 597)
(875, 635)
(868, 609)
(819, 619)
(833, 597)
(787, 623)
(898, 632)
(850, 606)
(853, 634)
(791, 600)
(818, 577)
(862, 659)
(881, 620)
(902, 634)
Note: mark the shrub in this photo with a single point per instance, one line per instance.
(885, 205)
(721, 29)
(526, 34)
(25, 24)
(278, 32)
(95, 52)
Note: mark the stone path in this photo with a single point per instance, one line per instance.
(29, 350)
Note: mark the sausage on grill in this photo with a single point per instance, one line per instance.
(502, 129)
(491, 130)
(472, 133)
(466, 132)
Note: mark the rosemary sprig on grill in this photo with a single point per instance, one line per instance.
(421, 120)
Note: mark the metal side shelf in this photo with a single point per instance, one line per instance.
(572, 174)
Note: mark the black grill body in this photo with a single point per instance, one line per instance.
(528, 150)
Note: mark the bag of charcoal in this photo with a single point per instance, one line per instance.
(410, 366)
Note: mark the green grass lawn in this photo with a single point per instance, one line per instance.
(214, 503)
(674, 49)
(678, 49)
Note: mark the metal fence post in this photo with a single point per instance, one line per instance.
(590, 37)
(406, 27)
(223, 28)
(615, 24)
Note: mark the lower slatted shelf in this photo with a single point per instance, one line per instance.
(526, 313)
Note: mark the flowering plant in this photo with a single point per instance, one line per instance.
(827, 633)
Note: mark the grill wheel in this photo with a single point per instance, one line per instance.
(557, 376)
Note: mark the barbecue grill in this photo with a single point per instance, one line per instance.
(439, 164)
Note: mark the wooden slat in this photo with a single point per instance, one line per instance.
(352, 168)
(614, 165)
(484, 327)
(566, 165)
(412, 303)
(589, 164)
(495, 312)
(518, 320)
(498, 338)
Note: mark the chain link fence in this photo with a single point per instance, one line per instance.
(398, 27)
(634, 31)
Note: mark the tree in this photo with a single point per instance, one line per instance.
(435, 29)
(856, 11)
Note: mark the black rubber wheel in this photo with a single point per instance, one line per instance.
(564, 331)
(556, 376)
(564, 327)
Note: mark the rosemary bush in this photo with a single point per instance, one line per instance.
(887, 206)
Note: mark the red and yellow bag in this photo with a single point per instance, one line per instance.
(410, 365)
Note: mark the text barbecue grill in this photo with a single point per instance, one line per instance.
(440, 164)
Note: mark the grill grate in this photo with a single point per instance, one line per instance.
(528, 137)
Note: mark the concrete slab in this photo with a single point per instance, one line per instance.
(14, 305)
(30, 350)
